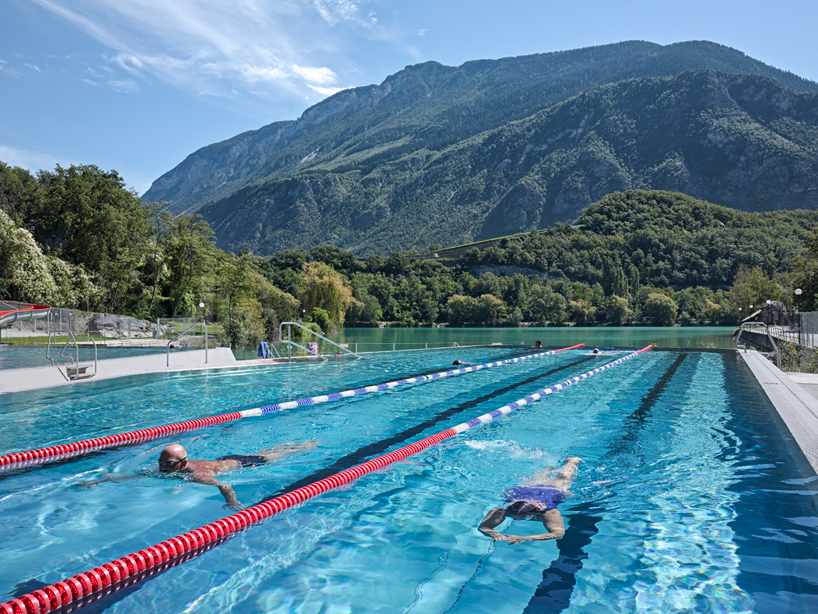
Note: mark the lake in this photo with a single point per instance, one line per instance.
(385, 339)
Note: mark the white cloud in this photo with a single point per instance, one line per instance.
(273, 48)
(311, 74)
(325, 91)
(422, 32)
(124, 86)
(334, 11)
(31, 160)
(32, 67)
(89, 82)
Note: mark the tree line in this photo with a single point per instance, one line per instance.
(77, 237)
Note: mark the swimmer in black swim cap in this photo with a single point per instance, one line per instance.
(535, 500)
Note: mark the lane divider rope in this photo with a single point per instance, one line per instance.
(16, 460)
(108, 575)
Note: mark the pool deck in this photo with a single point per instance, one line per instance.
(35, 378)
(795, 397)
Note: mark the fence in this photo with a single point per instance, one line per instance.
(797, 338)
(104, 326)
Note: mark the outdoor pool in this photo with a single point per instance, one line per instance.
(689, 498)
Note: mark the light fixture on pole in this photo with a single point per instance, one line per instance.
(201, 306)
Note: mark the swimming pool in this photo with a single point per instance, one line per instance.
(688, 499)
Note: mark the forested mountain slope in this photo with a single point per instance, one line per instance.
(378, 167)
(737, 140)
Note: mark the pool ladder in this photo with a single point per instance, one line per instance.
(289, 342)
(73, 370)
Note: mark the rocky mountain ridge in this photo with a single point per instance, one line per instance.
(522, 142)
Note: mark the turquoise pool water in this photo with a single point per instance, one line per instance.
(688, 498)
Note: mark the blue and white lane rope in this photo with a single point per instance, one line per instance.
(507, 409)
(68, 450)
(335, 396)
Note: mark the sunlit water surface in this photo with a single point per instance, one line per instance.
(687, 499)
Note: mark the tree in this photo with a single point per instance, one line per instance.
(190, 257)
(157, 253)
(89, 218)
(489, 310)
(324, 288)
(613, 279)
(753, 287)
(460, 309)
(617, 311)
(660, 310)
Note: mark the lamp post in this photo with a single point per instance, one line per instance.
(204, 323)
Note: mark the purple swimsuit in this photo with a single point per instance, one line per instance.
(532, 500)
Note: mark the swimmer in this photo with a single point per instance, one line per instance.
(596, 351)
(173, 460)
(457, 363)
(538, 344)
(537, 499)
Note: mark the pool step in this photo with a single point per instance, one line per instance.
(79, 372)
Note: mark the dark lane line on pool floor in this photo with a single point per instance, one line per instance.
(356, 457)
(553, 594)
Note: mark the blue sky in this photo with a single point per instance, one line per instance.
(137, 85)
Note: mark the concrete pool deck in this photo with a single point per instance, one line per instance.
(36, 378)
(795, 398)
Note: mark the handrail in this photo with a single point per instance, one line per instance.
(766, 332)
(73, 340)
(290, 342)
(182, 334)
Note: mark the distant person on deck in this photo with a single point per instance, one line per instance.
(537, 499)
(173, 460)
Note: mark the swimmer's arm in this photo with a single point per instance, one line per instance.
(112, 477)
(227, 491)
(552, 520)
(494, 518)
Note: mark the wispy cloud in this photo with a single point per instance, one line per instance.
(124, 86)
(270, 48)
(31, 160)
(32, 67)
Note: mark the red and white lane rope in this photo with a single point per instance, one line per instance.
(106, 577)
(68, 450)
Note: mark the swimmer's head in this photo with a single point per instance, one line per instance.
(172, 458)
(596, 351)
(523, 509)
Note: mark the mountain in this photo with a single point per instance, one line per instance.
(446, 155)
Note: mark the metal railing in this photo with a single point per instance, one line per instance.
(748, 327)
(183, 335)
(72, 341)
(289, 342)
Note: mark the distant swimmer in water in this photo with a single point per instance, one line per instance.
(596, 351)
(538, 344)
(173, 461)
(537, 499)
(463, 364)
